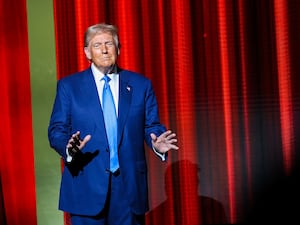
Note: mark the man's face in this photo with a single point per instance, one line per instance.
(102, 51)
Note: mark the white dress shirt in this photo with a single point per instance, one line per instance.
(113, 83)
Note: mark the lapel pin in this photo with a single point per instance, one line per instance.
(128, 88)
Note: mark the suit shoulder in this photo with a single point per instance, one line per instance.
(75, 76)
(131, 75)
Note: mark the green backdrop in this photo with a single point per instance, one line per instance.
(43, 85)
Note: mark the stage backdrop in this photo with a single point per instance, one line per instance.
(226, 76)
(17, 192)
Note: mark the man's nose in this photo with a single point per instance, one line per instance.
(103, 49)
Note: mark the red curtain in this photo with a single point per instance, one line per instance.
(17, 201)
(226, 76)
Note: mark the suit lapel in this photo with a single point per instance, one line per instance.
(125, 95)
(90, 93)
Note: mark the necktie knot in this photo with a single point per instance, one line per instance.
(106, 81)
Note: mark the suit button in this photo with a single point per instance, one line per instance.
(107, 150)
(107, 170)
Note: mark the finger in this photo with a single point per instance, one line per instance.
(86, 139)
(76, 140)
(75, 137)
(175, 147)
(171, 136)
(73, 144)
(77, 134)
(172, 141)
(74, 148)
(166, 133)
(153, 136)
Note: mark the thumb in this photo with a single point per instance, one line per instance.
(153, 136)
(86, 139)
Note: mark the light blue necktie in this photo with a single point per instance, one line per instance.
(110, 119)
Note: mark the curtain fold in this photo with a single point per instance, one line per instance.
(225, 74)
(17, 159)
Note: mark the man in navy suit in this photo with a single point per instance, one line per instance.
(90, 191)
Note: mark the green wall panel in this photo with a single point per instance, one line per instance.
(43, 85)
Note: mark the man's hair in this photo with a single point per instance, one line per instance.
(101, 28)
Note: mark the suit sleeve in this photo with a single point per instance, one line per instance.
(59, 129)
(152, 121)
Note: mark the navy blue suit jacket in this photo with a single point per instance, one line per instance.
(77, 108)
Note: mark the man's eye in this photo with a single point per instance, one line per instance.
(96, 45)
(109, 43)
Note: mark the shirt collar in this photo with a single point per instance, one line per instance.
(98, 75)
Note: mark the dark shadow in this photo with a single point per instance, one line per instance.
(80, 160)
(278, 202)
(2, 210)
(202, 209)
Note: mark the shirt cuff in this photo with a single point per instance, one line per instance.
(161, 155)
(69, 158)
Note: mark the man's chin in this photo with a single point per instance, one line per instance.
(106, 68)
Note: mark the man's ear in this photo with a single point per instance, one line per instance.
(87, 53)
(119, 46)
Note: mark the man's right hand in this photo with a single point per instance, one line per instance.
(75, 144)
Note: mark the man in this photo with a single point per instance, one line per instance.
(104, 181)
